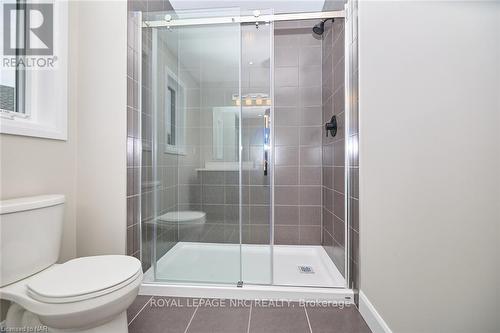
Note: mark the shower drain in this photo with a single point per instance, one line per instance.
(306, 269)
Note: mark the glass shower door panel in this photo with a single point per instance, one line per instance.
(256, 249)
(195, 83)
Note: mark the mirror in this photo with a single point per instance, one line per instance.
(225, 133)
(226, 129)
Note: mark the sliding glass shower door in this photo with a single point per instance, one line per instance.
(207, 165)
(256, 78)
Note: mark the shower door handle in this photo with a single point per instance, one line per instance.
(267, 133)
(265, 163)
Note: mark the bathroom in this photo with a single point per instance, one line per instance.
(227, 166)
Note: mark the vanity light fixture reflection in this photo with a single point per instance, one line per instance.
(252, 99)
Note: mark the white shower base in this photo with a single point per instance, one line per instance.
(186, 269)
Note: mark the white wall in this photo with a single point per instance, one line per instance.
(430, 164)
(102, 125)
(90, 167)
(33, 166)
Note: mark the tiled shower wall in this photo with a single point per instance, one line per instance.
(334, 147)
(334, 164)
(298, 126)
(140, 184)
(134, 144)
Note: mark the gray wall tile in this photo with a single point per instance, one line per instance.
(287, 195)
(286, 215)
(333, 73)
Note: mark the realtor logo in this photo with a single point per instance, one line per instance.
(32, 24)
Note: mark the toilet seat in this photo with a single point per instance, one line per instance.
(83, 278)
(79, 313)
(184, 217)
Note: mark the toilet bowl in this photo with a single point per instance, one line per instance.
(88, 294)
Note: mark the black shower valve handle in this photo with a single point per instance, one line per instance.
(331, 127)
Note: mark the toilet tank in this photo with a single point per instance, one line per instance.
(30, 235)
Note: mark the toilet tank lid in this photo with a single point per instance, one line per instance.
(29, 203)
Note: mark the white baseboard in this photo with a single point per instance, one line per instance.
(371, 316)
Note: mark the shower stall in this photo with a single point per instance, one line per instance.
(244, 168)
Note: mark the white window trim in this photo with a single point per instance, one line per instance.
(179, 148)
(46, 91)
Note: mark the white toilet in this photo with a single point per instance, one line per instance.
(89, 294)
(190, 223)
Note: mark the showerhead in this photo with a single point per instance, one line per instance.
(319, 28)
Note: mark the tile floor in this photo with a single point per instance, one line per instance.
(189, 315)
